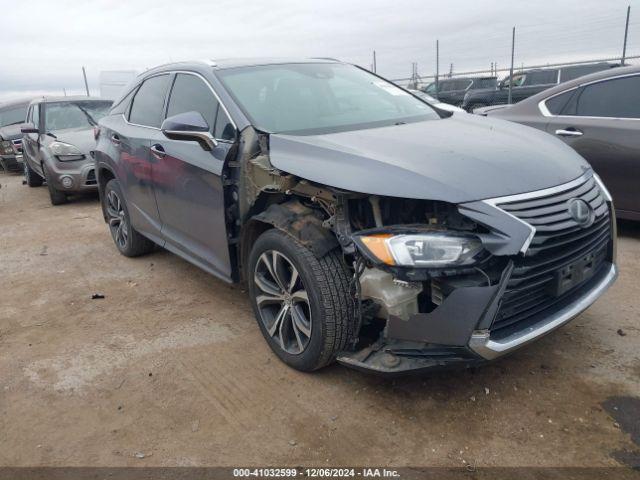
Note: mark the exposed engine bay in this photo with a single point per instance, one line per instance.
(389, 299)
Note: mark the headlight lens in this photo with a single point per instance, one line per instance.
(65, 151)
(429, 250)
(7, 147)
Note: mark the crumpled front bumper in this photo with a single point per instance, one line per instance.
(11, 162)
(414, 346)
(405, 355)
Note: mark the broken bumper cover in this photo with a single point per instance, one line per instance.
(469, 347)
(490, 348)
(12, 162)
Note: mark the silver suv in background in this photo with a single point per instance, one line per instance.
(58, 138)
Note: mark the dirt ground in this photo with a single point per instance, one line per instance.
(170, 366)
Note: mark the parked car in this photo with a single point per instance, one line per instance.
(12, 114)
(528, 83)
(366, 229)
(453, 90)
(436, 103)
(599, 116)
(58, 138)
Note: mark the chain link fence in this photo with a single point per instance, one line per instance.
(532, 55)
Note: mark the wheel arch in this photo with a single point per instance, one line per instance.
(300, 222)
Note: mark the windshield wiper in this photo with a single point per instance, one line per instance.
(89, 117)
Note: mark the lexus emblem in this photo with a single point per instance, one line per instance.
(581, 212)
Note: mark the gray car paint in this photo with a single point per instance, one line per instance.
(610, 145)
(458, 159)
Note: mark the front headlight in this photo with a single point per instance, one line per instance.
(7, 147)
(65, 151)
(428, 250)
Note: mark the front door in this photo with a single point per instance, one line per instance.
(188, 179)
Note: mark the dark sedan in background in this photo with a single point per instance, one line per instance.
(453, 90)
(12, 114)
(599, 116)
(58, 138)
(528, 83)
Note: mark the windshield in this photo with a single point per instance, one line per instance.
(315, 98)
(424, 96)
(13, 116)
(64, 115)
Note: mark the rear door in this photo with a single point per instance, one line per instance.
(133, 142)
(601, 121)
(188, 179)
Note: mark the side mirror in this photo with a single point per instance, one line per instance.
(28, 128)
(189, 126)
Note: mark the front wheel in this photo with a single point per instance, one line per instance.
(129, 242)
(301, 302)
(30, 176)
(57, 197)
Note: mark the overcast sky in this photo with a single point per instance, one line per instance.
(44, 43)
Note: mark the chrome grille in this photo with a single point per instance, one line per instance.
(559, 242)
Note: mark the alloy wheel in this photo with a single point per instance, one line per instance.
(117, 219)
(283, 302)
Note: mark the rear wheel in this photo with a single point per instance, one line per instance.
(301, 302)
(129, 242)
(31, 177)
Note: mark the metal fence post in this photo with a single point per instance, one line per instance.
(86, 85)
(375, 66)
(513, 47)
(437, 66)
(626, 33)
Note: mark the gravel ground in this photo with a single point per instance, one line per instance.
(170, 369)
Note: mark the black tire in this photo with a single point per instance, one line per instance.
(128, 241)
(57, 197)
(325, 282)
(31, 177)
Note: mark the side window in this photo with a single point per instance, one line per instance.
(123, 105)
(191, 94)
(556, 104)
(619, 98)
(224, 127)
(544, 77)
(148, 104)
(35, 115)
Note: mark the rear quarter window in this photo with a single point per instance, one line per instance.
(148, 104)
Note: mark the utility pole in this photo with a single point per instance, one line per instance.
(437, 66)
(626, 34)
(375, 67)
(513, 47)
(64, 90)
(451, 70)
(86, 85)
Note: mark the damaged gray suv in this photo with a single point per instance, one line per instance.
(370, 228)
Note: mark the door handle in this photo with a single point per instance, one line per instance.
(569, 132)
(115, 139)
(158, 151)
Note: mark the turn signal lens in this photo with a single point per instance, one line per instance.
(377, 245)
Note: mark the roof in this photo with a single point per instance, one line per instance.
(72, 98)
(15, 103)
(603, 74)
(220, 64)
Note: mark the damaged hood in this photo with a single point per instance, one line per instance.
(10, 132)
(458, 159)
